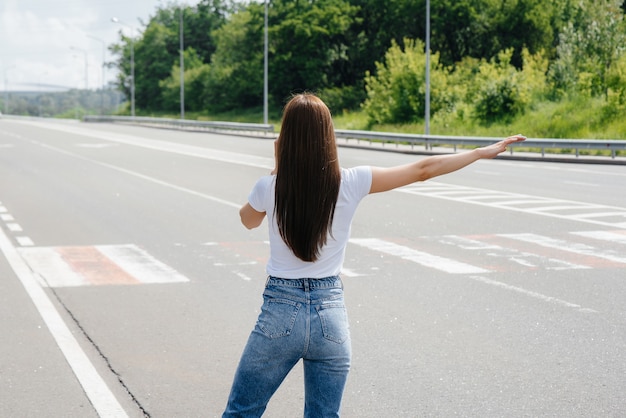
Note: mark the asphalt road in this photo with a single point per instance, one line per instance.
(128, 286)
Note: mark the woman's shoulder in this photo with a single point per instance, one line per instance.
(355, 173)
(357, 179)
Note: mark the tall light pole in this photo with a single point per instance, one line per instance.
(265, 70)
(6, 89)
(427, 93)
(182, 67)
(132, 64)
(103, 65)
(86, 65)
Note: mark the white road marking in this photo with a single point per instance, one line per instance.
(99, 394)
(24, 241)
(7, 217)
(147, 178)
(511, 254)
(182, 149)
(14, 227)
(614, 237)
(243, 276)
(428, 260)
(537, 205)
(581, 183)
(349, 273)
(97, 146)
(532, 294)
(141, 265)
(572, 247)
(99, 265)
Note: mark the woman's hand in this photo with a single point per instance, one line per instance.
(492, 151)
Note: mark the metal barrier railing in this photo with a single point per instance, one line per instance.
(184, 123)
(427, 141)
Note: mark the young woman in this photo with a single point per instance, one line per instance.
(309, 201)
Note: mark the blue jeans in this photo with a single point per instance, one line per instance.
(300, 319)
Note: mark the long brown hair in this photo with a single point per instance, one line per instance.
(307, 177)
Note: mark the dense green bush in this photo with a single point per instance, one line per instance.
(396, 93)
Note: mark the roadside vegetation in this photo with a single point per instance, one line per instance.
(548, 69)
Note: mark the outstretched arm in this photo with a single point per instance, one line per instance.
(384, 179)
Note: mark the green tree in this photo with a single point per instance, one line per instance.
(308, 44)
(592, 42)
(157, 47)
(235, 78)
(196, 73)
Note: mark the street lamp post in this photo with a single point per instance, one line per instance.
(427, 93)
(86, 65)
(265, 69)
(132, 64)
(182, 68)
(103, 65)
(6, 89)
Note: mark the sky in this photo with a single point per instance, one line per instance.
(44, 43)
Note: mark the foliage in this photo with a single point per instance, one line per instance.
(589, 46)
(308, 45)
(235, 77)
(194, 75)
(487, 90)
(396, 93)
(493, 61)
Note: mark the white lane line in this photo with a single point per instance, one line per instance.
(7, 217)
(243, 276)
(603, 236)
(532, 294)
(24, 241)
(515, 201)
(172, 147)
(523, 258)
(14, 227)
(147, 178)
(95, 388)
(581, 183)
(428, 260)
(572, 247)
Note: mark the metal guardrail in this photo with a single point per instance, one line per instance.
(429, 141)
(382, 138)
(184, 123)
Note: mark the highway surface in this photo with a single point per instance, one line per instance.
(128, 286)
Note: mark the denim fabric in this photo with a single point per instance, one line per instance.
(300, 319)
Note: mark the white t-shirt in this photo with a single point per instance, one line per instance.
(355, 185)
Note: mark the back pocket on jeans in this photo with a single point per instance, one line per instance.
(334, 318)
(277, 317)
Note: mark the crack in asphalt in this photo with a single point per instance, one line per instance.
(99, 351)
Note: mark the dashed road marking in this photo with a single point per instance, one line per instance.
(618, 237)
(571, 247)
(425, 259)
(558, 208)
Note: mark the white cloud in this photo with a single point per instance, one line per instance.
(37, 36)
